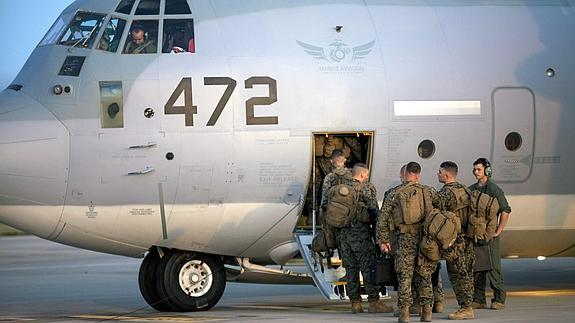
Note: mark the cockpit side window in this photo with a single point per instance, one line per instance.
(57, 28)
(148, 7)
(82, 30)
(174, 7)
(125, 6)
(143, 37)
(111, 36)
(178, 36)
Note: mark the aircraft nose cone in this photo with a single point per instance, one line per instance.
(34, 158)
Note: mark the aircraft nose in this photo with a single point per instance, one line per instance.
(34, 158)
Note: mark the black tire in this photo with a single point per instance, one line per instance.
(147, 281)
(191, 281)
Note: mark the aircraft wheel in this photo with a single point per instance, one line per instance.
(147, 281)
(191, 281)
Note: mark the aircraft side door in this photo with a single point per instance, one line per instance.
(513, 133)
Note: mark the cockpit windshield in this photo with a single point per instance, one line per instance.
(137, 27)
(82, 30)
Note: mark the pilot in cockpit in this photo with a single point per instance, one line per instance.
(139, 41)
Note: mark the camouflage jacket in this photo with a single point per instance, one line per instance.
(338, 176)
(367, 198)
(382, 229)
(445, 199)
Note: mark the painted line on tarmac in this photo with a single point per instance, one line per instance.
(336, 308)
(147, 319)
(44, 268)
(543, 293)
(15, 319)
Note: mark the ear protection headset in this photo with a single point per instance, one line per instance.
(486, 166)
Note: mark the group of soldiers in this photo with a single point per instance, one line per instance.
(358, 244)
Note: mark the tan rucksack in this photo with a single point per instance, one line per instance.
(341, 206)
(482, 216)
(462, 203)
(410, 206)
(443, 226)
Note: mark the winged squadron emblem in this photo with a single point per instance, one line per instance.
(337, 51)
(314, 51)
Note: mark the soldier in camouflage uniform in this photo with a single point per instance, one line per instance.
(437, 285)
(404, 241)
(356, 246)
(338, 175)
(460, 256)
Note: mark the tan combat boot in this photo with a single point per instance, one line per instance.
(476, 305)
(404, 314)
(356, 307)
(415, 309)
(426, 313)
(437, 307)
(464, 313)
(497, 306)
(379, 307)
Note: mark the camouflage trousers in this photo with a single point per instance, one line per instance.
(460, 258)
(407, 259)
(436, 285)
(357, 252)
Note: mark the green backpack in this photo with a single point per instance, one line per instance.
(342, 205)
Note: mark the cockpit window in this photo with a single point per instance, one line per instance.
(143, 37)
(125, 6)
(52, 35)
(111, 36)
(174, 7)
(148, 7)
(178, 36)
(82, 30)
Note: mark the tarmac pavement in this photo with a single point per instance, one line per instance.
(42, 281)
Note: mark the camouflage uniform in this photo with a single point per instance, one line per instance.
(356, 246)
(405, 248)
(461, 255)
(431, 268)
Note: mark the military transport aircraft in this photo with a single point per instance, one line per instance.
(196, 132)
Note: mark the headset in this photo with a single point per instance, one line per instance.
(487, 170)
